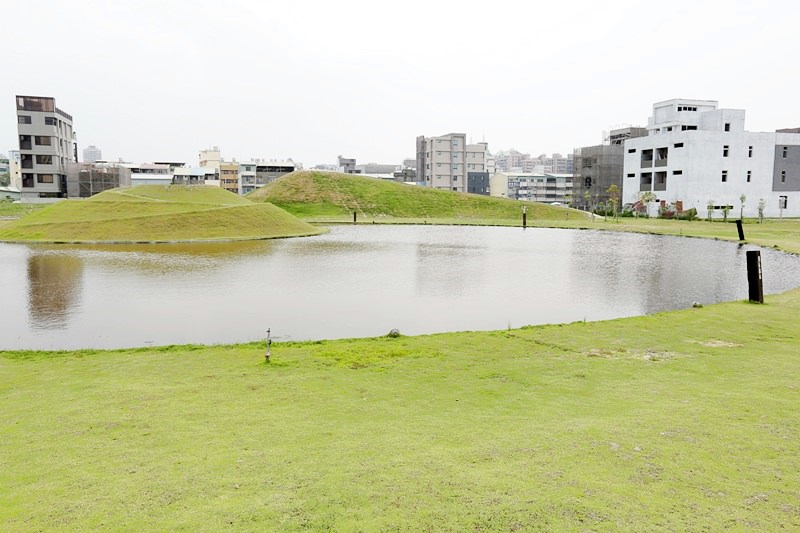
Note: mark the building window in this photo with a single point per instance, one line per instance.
(724, 176)
(686, 108)
(749, 151)
(632, 175)
(50, 121)
(688, 128)
(44, 159)
(749, 175)
(24, 119)
(632, 151)
(27, 180)
(24, 142)
(677, 172)
(785, 151)
(727, 126)
(455, 178)
(40, 140)
(678, 145)
(783, 176)
(44, 178)
(783, 202)
(725, 151)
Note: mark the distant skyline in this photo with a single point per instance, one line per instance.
(163, 80)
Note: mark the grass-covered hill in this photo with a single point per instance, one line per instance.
(321, 195)
(155, 213)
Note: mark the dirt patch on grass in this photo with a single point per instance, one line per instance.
(717, 343)
(646, 355)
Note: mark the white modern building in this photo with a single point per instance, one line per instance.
(696, 155)
(449, 163)
(46, 146)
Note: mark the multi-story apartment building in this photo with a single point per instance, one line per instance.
(696, 155)
(92, 154)
(151, 174)
(449, 163)
(256, 174)
(229, 176)
(533, 187)
(46, 146)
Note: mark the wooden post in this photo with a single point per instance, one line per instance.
(740, 229)
(754, 279)
(355, 215)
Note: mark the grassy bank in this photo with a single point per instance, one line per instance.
(686, 420)
(333, 196)
(678, 421)
(152, 213)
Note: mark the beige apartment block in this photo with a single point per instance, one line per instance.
(46, 148)
(448, 163)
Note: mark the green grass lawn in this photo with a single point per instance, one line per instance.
(152, 213)
(333, 196)
(679, 421)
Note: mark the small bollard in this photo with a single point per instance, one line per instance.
(355, 215)
(524, 216)
(269, 346)
(754, 279)
(740, 229)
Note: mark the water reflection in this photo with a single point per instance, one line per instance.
(54, 289)
(359, 281)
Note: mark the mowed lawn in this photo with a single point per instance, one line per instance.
(680, 421)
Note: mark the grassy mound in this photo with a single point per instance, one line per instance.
(156, 213)
(318, 194)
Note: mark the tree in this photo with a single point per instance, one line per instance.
(725, 210)
(645, 198)
(762, 204)
(587, 197)
(710, 208)
(5, 179)
(613, 198)
(742, 200)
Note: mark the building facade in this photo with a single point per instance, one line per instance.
(445, 162)
(532, 187)
(46, 146)
(92, 154)
(698, 156)
(597, 168)
(229, 176)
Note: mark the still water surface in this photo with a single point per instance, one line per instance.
(359, 281)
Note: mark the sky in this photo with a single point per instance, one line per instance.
(310, 80)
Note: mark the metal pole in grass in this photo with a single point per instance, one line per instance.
(269, 345)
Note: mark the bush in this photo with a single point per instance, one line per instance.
(690, 214)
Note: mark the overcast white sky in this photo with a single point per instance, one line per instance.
(160, 80)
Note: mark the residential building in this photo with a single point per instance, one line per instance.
(346, 164)
(14, 169)
(151, 174)
(696, 155)
(448, 163)
(532, 187)
(229, 176)
(256, 174)
(92, 154)
(597, 168)
(195, 176)
(210, 158)
(47, 148)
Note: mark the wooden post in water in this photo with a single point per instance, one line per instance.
(754, 279)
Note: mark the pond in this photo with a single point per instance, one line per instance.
(358, 281)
